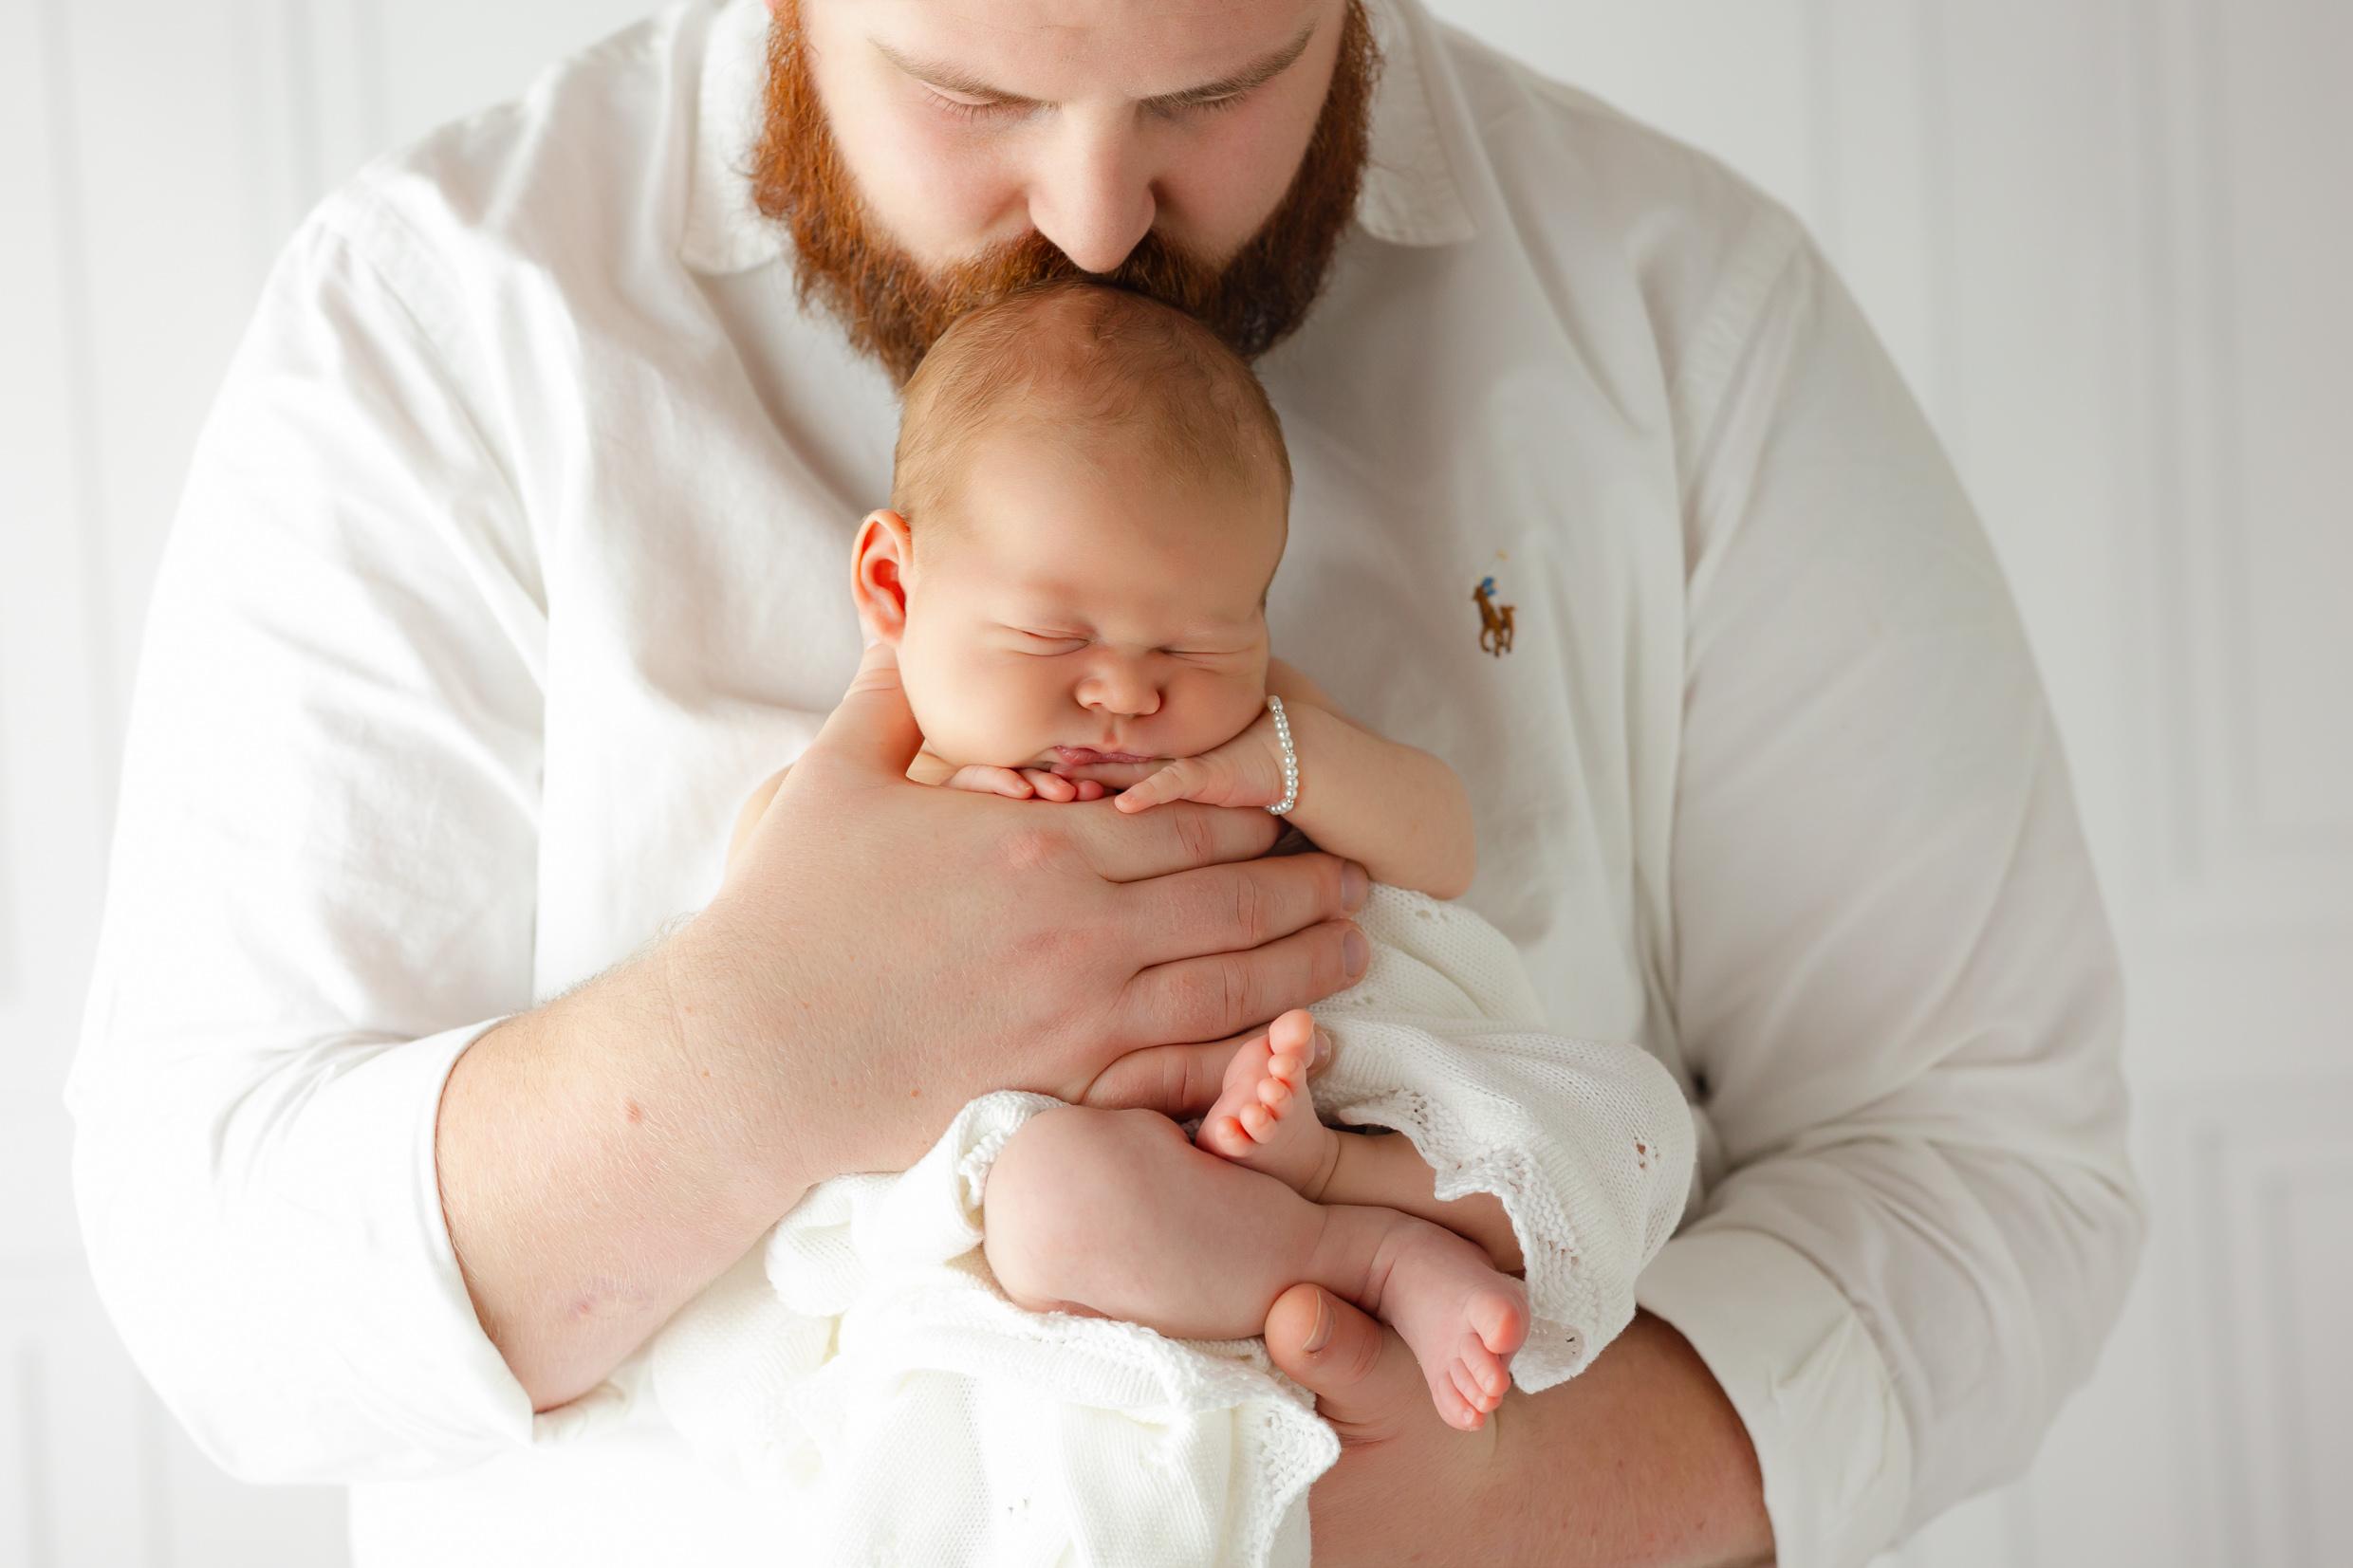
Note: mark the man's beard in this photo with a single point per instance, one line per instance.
(894, 310)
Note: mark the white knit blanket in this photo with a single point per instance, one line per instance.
(865, 1364)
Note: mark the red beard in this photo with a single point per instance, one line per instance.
(894, 310)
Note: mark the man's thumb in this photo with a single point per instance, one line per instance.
(1365, 1382)
(872, 730)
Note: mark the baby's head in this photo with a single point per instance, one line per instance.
(1090, 498)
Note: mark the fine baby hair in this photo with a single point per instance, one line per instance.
(1080, 363)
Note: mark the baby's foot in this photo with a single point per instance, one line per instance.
(1462, 1320)
(1265, 1121)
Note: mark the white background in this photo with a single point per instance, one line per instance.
(2110, 242)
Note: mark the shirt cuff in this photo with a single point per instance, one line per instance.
(365, 1174)
(1807, 1381)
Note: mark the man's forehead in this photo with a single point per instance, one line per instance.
(1056, 50)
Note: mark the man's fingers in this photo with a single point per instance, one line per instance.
(1232, 908)
(1177, 836)
(1182, 1081)
(871, 731)
(1226, 992)
(1365, 1382)
(1179, 1081)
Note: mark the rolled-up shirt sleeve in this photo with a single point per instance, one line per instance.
(1891, 974)
(321, 890)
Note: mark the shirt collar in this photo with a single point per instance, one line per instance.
(1410, 194)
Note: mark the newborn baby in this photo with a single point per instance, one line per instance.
(1077, 587)
(1090, 500)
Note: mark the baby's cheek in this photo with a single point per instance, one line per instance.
(977, 712)
(1224, 706)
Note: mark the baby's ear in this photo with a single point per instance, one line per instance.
(879, 572)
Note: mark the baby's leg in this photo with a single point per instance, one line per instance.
(1113, 1214)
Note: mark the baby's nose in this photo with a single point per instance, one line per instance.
(1122, 690)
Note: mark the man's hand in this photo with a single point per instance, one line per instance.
(1638, 1462)
(1181, 1081)
(879, 953)
(931, 945)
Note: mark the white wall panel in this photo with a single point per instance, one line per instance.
(55, 741)
(79, 1485)
(2248, 240)
(444, 59)
(2272, 198)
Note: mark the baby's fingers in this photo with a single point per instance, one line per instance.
(1171, 783)
(991, 781)
(1049, 786)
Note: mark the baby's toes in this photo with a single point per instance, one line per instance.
(1275, 1094)
(1259, 1122)
(1453, 1408)
(1293, 1032)
(1222, 1134)
(1499, 1318)
(1475, 1398)
(1286, 1068)
(1245, 1068)
(1485, 1376)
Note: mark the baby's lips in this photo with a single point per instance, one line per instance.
(1086, 756)
(1112, 769)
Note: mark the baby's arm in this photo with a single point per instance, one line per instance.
(1392, 808)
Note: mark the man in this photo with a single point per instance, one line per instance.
(512, 557)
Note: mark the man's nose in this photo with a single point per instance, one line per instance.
(1092, 194)
(1122, 688)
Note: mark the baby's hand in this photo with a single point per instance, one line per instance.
(1024, 783)
(1247, 770)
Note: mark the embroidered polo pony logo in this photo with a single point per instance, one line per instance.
(1494, 620)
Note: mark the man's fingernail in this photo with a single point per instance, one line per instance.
(1355, 953)
(1354, 885)
(1323, 1335)
(1323, 1051)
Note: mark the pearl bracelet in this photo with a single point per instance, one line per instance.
(1290, 759)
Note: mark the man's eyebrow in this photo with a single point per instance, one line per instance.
(948, 79)
(1233, 84)
(1249, 79)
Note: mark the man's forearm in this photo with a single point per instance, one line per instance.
(595, 1174)
(1638, 1462)
(1641, 1461)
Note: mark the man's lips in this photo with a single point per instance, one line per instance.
(1086, 756)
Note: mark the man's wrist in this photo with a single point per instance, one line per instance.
(730, 1068)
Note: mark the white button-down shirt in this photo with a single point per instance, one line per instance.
(516, 553)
